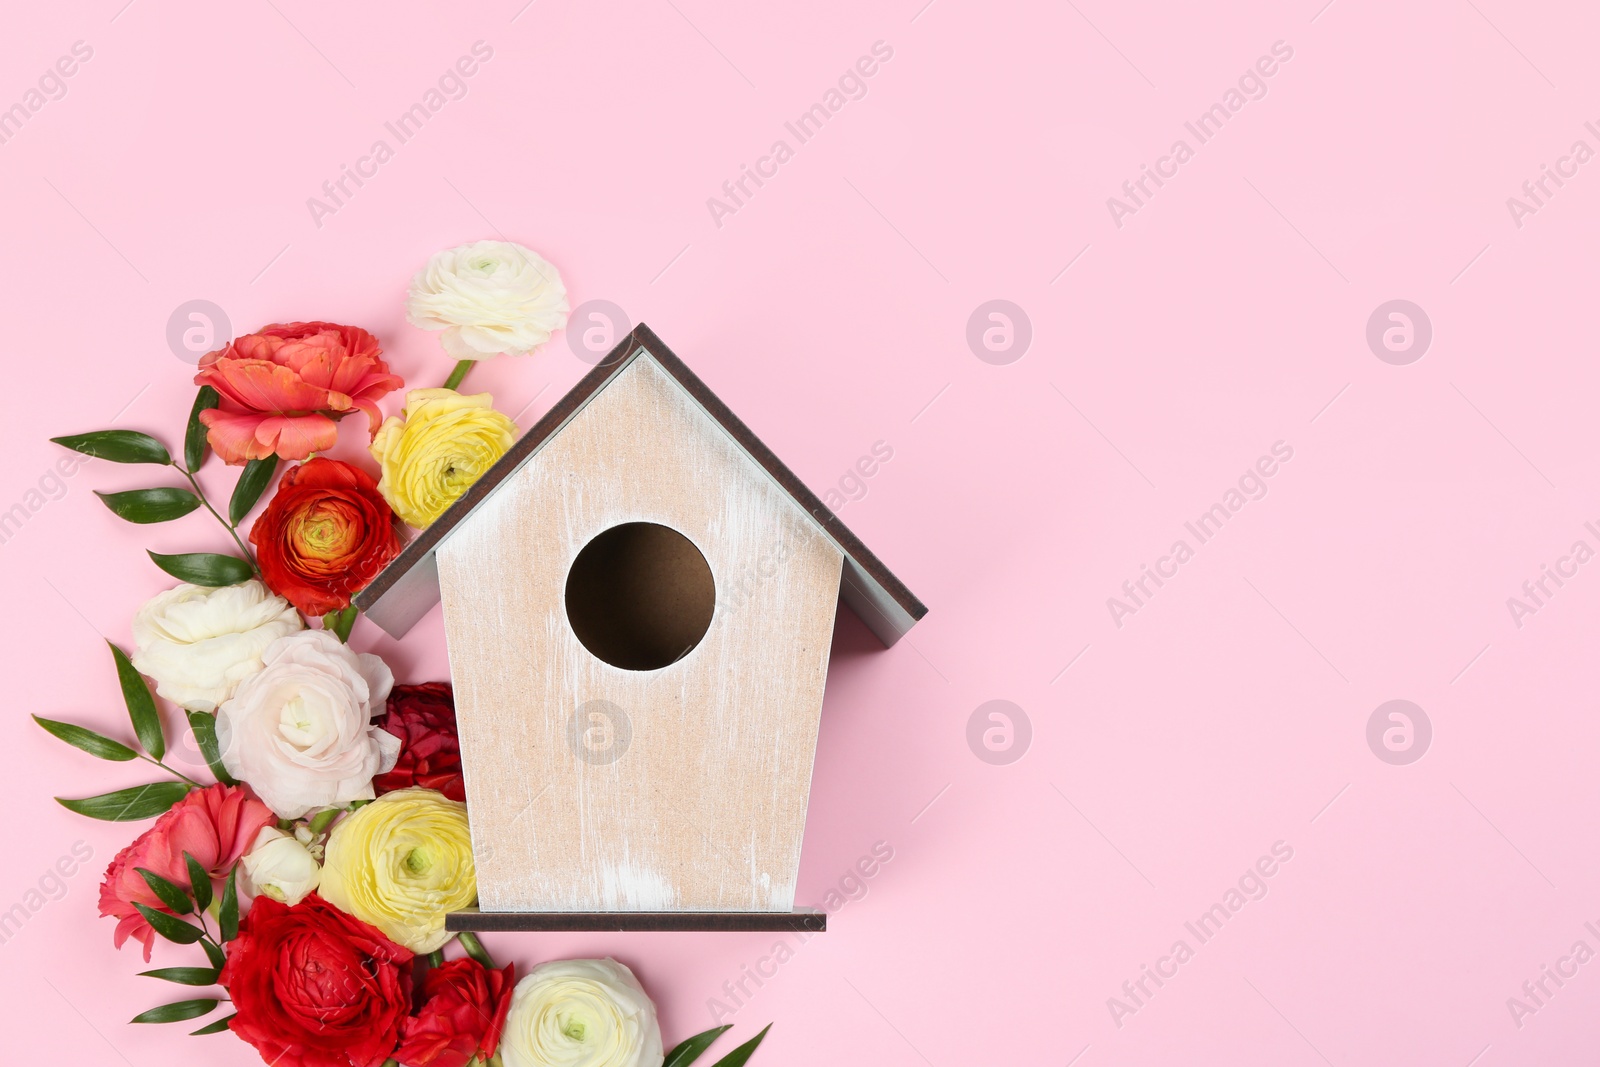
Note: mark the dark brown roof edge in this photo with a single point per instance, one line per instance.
(868, 587)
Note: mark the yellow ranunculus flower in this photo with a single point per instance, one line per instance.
(400, 863)
(443, 444)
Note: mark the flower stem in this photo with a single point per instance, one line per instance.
(232, 530)
(457, 375)
(474, 948)
(170, 771)
(341, 622)
(436, 959)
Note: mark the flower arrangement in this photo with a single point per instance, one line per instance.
(315, 870)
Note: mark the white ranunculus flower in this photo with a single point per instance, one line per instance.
(279, 866)
(300, 731)
(489, 298)
(199, 643)
(581, 1013)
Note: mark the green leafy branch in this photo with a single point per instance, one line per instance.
(689, 1050)
(148, 801)
(179, 902)
(165, 503)
(139, 801)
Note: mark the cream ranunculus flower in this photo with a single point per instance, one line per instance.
(581, 1013)
(489, 298)
(199, 643)
(400, 863)
(279, 866)
(300, 731)
(443, 444)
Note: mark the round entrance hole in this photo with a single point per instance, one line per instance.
(640, 596)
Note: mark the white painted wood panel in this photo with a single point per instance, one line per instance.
(705, 808)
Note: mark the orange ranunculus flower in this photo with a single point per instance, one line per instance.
(283, 387)
(324, 535)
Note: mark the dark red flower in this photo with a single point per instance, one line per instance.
(325, 534)
(314, 987)
(423, 717)
(463, 1014)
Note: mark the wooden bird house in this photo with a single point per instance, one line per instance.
(639, 601)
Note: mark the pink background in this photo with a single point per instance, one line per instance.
(830, 311)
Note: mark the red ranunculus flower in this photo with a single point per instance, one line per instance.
(423, 717)
(216, 825)
(314, 987)
(464, 1011)
(283, 386)
(325, 534)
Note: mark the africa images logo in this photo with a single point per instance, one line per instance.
(851, 85)
(1252, 85)
(1250, 886)
(1252, 485)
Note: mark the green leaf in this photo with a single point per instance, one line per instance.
(204, 568)
(203, 725)
(213, 1028)
(128, 805)
(119, 446)
(199, 883)
(215, 954)
(228, 914)
(177, 1012)
(690, 1049)
(96, 745)
(251, 484)
(150, 505)
(141, 705)
(738, 1056)
(173, 896)
(341, 622)
(194, 438)
(184, 975)
(170, 926)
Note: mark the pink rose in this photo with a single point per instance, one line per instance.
(216, 825)
(284, 386)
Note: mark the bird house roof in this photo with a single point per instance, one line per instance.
(408, 587)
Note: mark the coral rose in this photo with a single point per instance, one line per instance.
(325, 534)
(463, 1013)
(215, 825)
(445, 443)
(423, 717)
(283, 387)
(314, 987)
